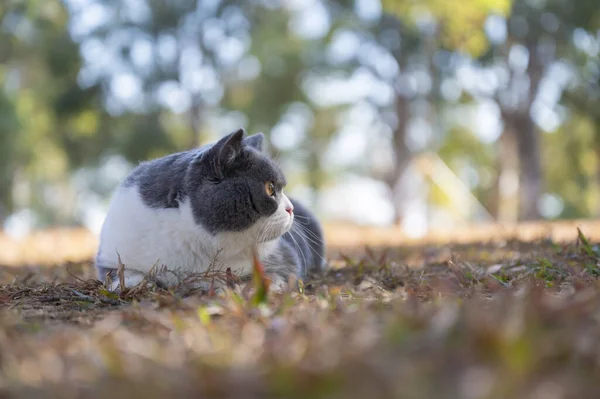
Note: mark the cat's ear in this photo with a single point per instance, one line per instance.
(255, 141)
(230, 146)
(225, 151)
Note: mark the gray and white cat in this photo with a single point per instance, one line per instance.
(222, 200)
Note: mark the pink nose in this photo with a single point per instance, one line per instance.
(290, 210)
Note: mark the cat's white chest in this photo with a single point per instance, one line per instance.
(144, 237)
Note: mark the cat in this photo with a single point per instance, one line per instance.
(220, 202)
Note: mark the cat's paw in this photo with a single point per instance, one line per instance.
(204, 287)
(278, 286)
(131, 279)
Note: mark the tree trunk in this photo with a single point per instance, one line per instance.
(528, 141)
(402, 158)
(531, 176)
(597, 150)
(518, 123)
(3, 216)
(196, 137)
(6, 196)
(505, 202)
(314, 173)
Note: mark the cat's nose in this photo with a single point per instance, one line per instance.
(290, 210)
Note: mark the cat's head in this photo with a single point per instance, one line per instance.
(236, 187)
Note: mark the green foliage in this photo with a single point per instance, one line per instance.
(48, 123)
(459, 28)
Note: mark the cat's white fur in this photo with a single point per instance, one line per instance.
(144, 237)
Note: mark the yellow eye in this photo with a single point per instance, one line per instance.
(270, 188)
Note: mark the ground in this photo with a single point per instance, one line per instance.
(496, 318)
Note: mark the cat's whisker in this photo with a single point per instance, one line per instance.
(266, 235)
(302, 217)
(315, 239)
(299, 251)
(305, 222)
(260, 232)
(275, 157)
(310, 240)
(263, 231)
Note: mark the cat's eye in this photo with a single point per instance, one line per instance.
(270, 188)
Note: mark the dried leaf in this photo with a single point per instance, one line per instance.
(121, 272)
(204, 316)
(587, 247)
(260, 281)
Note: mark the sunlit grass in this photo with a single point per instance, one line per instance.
(51, 247)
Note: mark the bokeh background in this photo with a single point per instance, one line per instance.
(417, 113)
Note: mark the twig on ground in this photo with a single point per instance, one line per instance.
(95, 299)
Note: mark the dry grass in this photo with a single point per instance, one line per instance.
(492, 319)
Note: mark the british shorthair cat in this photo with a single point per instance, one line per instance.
(222, 201)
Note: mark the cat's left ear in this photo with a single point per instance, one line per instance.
(256, 141)
(229, 147)
(224, 152)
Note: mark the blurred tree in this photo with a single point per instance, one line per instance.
(9, 155)
(138, 79)
(48, 121)
(531, 61)
(394, 54)
(527, 55)
(473, 161)
(459, 28)
(421, 37)
(145, 65)
(571, 168)
(582, 98)
(161, 57)
(273, 97)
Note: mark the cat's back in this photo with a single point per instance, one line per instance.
(149, 189)
(158, 180)
(146, 219)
